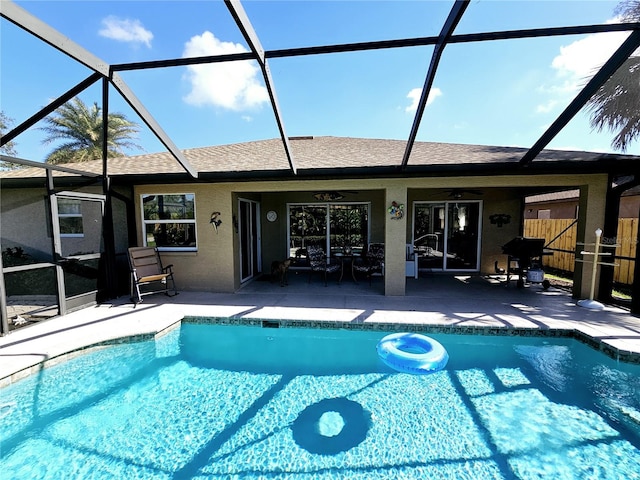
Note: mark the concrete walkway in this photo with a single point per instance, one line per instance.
(475, 305)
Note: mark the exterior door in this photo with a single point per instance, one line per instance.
(78, 247)
(446, 235)
(249, 235)
(331, 227)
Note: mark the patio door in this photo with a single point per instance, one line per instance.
(446, 235)
(249, 236)
(330, 226)
(78, 247)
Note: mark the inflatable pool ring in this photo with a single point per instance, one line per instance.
(412, 353)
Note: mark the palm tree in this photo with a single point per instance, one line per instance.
(8, 148)
(616, 104)
(80, 127)
(5, 123)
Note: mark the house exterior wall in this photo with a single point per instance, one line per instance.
(214, 267)
(556, 209)
(24, 223)
(629, 208)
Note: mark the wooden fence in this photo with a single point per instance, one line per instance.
(565, 240)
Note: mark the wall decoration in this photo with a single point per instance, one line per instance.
(272, 216)
(396, 210)
(500, 219)
(215, 221)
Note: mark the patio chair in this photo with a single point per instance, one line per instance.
(147, 271)
(372, 263)
(318, 263)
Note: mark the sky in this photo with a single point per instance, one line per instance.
(503, 93)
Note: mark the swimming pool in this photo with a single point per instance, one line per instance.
(215, 401)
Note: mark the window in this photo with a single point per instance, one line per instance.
(544, 214)
(331, 226)
(70, 217)
(169, 221)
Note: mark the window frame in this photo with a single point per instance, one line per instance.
(327, 206)
(144, 222)
(70, 215)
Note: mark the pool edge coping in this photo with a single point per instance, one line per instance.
(597, 344)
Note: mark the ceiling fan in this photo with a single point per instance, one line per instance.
(331, 196)
(458, 193)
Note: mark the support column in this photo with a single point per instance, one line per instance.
(395, 239)
(590, 217)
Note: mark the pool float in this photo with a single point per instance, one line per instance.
(412, 353)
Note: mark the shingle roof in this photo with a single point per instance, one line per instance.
(317, 153)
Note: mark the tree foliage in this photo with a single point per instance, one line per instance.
(10, 147)
(616, 104)
(79, 127)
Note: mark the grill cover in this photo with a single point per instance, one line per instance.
(524, 247)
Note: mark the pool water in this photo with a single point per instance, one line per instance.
(221, 402)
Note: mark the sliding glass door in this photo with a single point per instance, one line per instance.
(249, 236)
(446, 235)
(330, 226)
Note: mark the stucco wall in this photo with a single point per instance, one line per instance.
(214, 267)
(23, 222)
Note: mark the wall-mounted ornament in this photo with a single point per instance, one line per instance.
(500, 219)
(215, 221)
(396, 210)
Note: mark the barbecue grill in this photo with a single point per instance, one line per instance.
(525, 260)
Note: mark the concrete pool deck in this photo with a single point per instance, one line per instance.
(462, 304)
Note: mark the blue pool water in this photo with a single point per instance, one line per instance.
(221, 402)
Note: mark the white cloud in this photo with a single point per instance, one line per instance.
(582, 58)
(231, 85)
(574, 65)
(125, 30)
(546, 107)
(415, 94)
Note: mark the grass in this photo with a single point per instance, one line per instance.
(564, 281)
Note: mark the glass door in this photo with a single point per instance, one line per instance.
(447, 235)
(428, 233)
(463, 230)
(349, 227)
(329, 226)
(248, 233)
(78, 244)
(307, 227)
